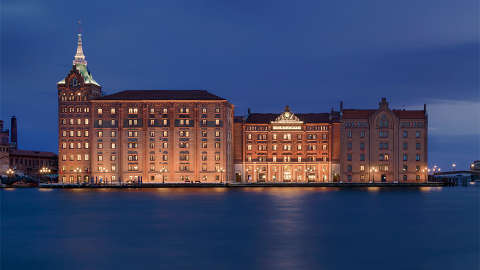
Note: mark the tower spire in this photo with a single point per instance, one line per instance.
(79, 56)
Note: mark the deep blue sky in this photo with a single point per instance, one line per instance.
(258, 54)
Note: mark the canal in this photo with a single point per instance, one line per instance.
(241, 228)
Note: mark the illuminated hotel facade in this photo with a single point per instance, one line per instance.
(287, 147)
(191, 136)
(147, 136)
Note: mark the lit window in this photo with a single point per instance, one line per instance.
(112, 111)
(86, 157)
(99, 111)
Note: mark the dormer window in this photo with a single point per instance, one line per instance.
(74, 82)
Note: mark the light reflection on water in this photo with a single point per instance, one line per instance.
(240, 228)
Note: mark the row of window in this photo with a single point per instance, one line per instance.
(383, 146)
(286, 136)
(134, 110)
(72, 121)
(381, 168)
(132, 133)
(75, 109)
(288, 159)
(287, 147)
(384, 134)
(383, 157)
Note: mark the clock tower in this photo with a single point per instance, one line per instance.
(74, 120)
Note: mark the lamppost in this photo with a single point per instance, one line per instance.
(373, 170)
(10, 172)
(453, 166)
(221, 171)
(163, 171)
(44, 171)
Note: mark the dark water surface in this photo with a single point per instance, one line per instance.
(250, 228)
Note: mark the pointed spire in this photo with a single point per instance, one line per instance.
(79, 56)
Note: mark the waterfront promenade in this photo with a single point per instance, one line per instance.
(242, 185)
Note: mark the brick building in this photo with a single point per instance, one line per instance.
(156, 136)
(165, 136)
(384, 145)
(4, 150)
(287, 147)
(22, 162)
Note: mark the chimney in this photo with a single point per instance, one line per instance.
(13, 135)
(341, 106)
(1, 125)
(424, 107)
(249, 111)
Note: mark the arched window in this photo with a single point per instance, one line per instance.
(383, 121)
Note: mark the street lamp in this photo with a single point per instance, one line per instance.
(163, 171)
(453, 166)
(373, 170)
(44, 171)
(10, 172)
(221, 171)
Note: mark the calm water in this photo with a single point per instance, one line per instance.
(252, 228)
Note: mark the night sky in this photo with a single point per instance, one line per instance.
(258, 54)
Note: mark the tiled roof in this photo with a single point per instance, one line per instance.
(162, 95)
(410, 114)
(32, 153)
(266, 118)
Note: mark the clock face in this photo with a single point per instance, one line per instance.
(287, 114)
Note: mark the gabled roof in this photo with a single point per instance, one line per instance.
(161, 95)
(86, 75)
(266, 118)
